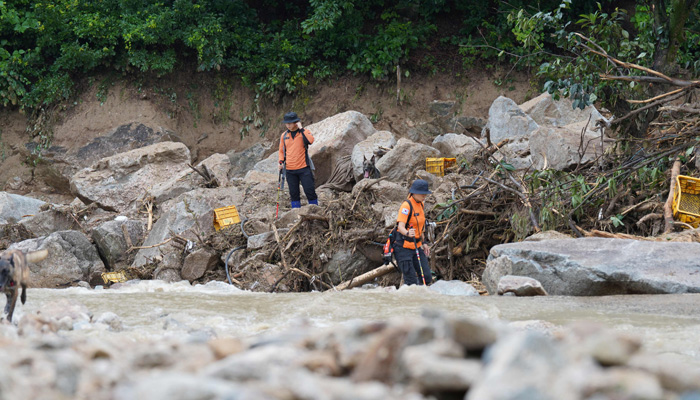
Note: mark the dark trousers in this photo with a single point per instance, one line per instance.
(306, 178)
(409, 266)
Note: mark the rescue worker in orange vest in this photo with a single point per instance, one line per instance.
(411, 225)
(294, 160)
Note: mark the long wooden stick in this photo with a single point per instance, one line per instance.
(668, 207)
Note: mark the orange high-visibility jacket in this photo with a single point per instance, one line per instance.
(417, 221)
(296, 151)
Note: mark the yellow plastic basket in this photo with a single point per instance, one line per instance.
(114, 277)
(686, 200)
(225, 216)
(437, 166)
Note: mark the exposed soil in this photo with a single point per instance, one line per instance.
(208, 111)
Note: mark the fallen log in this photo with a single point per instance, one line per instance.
(366, 277)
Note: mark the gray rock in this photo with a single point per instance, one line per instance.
(516, 153)
(453, 288)
(453, 145)
(598, 266)
(13, 207)
(119, 182)
(520, 286)
(404, 159)
(112, 320)
(194, 208)
(563, 147)
(471, 334)
(259, 241)
(49, 221)
(197, 263)
(345, 265)
(245, 161)
(524, 365)
(218, 167)
(71, 258)
(111, 243)
(181, 386)
(508, 121)
(545, 111)
(464, 123)
(62, 163)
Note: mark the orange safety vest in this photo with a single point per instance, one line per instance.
(296, 151)
(417, 221)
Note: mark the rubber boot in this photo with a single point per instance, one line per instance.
(296, 204)
(313, 201)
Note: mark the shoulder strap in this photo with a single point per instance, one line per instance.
(306, 141)
(284, 144)
(306, 144)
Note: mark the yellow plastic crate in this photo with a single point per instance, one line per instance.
(225, 216)
(437, 166)
(114, 277)
(686, 200)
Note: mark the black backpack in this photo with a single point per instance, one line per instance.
(309, 163)
(393, 235)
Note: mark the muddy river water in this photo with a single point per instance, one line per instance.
(154, 309)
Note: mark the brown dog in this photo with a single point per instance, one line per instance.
(14, 272)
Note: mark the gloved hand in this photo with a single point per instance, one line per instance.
(386, 258)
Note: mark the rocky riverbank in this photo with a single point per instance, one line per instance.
(68, 350)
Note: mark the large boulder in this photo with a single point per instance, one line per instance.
(546, 111)
(244, 161)
(345, 265)
(508, 121)
(71, 258)
(455, 144)
(62, 163)
(559, 148)
(13, 207)
(197, 263)
(598, 266)
(404, 159)
(120, 182)
(218, 167)
(111, 240)
(334, 137)
(515, 153)
(367, 149)
(49, 221)
(191, 210)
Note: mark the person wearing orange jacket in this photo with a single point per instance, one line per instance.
(411, 225)
(294, 160)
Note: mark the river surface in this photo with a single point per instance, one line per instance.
(154, 309)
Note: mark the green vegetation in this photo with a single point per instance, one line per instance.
(280, 46)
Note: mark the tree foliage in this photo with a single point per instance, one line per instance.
(279, 46)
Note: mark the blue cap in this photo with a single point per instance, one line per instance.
(419, 186)
(291, 117)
